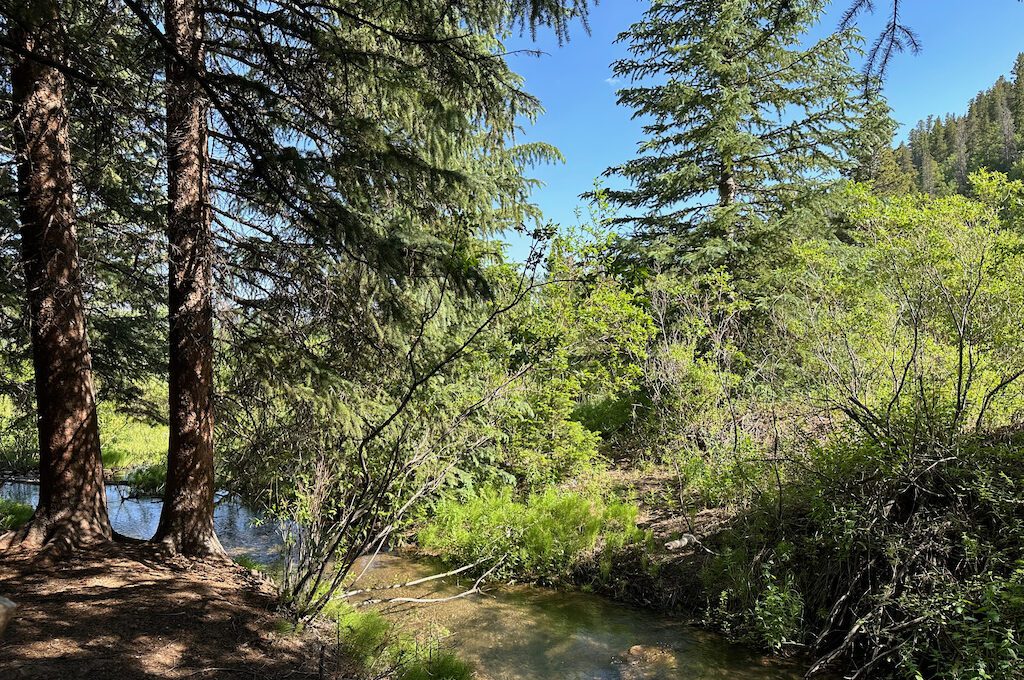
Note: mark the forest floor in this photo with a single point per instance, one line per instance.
(126, 612)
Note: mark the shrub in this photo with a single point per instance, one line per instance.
(540, 538)
(436, 665)
(881, 548)
(364, 635)
(147, 480)
(371, 641)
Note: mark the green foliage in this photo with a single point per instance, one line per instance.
(864, 541)
(365, 635)
(377, 648)
(778, 611)
(248, 563)
(436, 665)
(134, 450)
(540, 538)
(128, 442)
(147, 480)
(18, 443)
(583, 339)
(13, 514)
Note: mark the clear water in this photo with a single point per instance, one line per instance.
(511, 633)
(240, 531)
(524, 632)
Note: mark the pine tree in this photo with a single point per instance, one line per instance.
(960, 157)
(186, 519)
(891, 178)
(1018, 92)
(72, 508)
(1007, 128)
(743, 121)
(358, 133)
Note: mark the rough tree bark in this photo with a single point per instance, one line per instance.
(727, 189)
(186, 522)
(72, 509)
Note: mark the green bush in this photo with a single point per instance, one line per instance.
(365, 635)
(147, 480)
(540, 538)
(13, 514)
(919, 552)
(378, 649)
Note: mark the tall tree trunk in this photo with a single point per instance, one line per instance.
(726, 189)
(72, 510)
(186, 522)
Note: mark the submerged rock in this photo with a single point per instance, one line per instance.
(644, 662)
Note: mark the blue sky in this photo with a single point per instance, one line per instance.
(966, 46)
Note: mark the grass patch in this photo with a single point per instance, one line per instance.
(379, 650)
(249, 563)
(130, 443)
(13, 514)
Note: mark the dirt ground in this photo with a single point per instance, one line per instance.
(124, 612)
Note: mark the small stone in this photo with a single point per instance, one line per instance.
(6, 613)
(681, 542)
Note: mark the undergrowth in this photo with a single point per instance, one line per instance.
(897, 563)
(13, 514)
(380, 650)
(540, 538)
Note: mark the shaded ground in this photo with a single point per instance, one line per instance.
(126, 613)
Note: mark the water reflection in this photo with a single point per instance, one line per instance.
(240, 531)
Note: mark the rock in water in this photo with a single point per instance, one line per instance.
(6, 613)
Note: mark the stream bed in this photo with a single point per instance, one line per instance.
(507, 633)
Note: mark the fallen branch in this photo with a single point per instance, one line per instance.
(435, 600)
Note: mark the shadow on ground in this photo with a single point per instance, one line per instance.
(123, 613)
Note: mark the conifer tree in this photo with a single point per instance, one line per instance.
(312, 135)
(742, 120)
(72, 509)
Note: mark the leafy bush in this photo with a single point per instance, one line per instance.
(540, 538)
(379, 650)
(921, 553)
(364, 635)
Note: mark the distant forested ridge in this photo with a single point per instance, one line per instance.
(943, 151)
